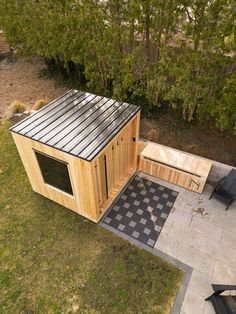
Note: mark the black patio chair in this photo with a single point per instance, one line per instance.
(225, 190)
(223, 304)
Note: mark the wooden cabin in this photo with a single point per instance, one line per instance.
(80, 150)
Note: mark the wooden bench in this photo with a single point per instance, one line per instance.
(174, 166)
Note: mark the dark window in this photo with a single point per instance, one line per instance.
(54, 172)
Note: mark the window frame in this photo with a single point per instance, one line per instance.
(48, 184)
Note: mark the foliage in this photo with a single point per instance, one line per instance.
(175, 53)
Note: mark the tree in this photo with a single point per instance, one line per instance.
(179, 53)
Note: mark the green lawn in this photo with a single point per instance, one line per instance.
(55, 261)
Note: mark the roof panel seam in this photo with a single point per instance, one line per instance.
(122, 112)
(77, 125)
(92, 130)
(57, 111)
(79, 102)
(117, 129)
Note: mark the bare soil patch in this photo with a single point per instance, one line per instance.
(20, 80)
(197, 138)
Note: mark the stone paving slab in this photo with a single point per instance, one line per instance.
(203, 237)
(219, 250)
(206, 228)
(229, 238)
(200, 237)
(186, 236)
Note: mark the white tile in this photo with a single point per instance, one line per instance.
(231, 212)
(224, 274)
(196, 259)
(229, 238)
(219, 251)
(209, 309)
(193, 303)
(167, 226)
(200, 283)
(206, 191)
(208, 229)
(189, 197)
(180, 216)
(202, 211)
(186, 236)
(219, 217)
(179, 189)
(168, 245)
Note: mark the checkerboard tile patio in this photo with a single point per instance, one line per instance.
(141, 210)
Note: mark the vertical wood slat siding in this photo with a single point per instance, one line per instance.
(80, 172)
(87, 178)
(188, 171)
(121, 163)
(172, 175)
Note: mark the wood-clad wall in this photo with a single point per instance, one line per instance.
(119, 158)
(80, 173)
(90, 197)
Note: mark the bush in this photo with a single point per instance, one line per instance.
(40, 103)
(17, 106)
(152, 135)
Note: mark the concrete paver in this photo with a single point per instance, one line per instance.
(206, 228)
(229, 238)
(202, 234)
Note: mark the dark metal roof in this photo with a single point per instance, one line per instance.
(77, 123)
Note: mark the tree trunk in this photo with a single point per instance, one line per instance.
(159, 35)
(131, 36)
(147, 22)
(199, 23)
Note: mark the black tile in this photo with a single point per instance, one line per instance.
(143, 238)
(139, 227)
(141, 210)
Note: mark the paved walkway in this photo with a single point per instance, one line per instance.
(198, 236)
(201, 234)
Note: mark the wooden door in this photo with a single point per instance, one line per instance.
(115, 163)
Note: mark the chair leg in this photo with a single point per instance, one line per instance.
(230, 202)
(211, 194)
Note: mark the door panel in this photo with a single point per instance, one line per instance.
(110, 169)
(101, 172)
(115, 163)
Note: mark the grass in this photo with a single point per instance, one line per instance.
(55, 261)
